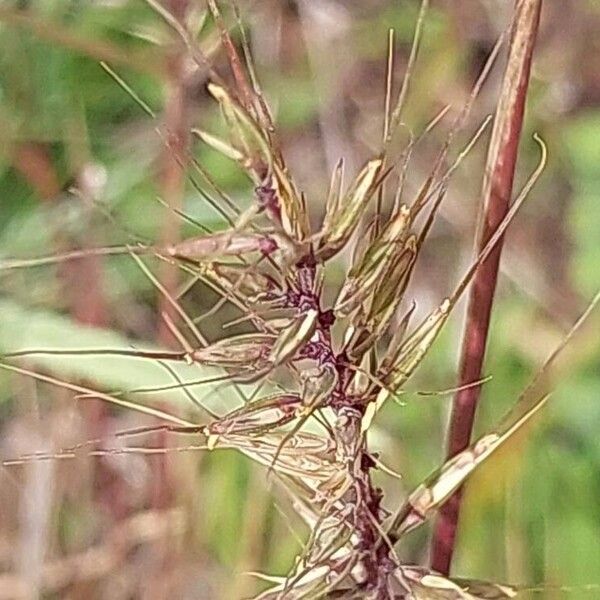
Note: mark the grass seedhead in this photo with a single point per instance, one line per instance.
(436, 490)
(342, 215)
(248, 285)
(294, 337)
(237, 354)
(245, 134)
(379, 259)
(257, 416)
(311, 363)
(399, 365)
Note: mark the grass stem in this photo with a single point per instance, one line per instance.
(496, 194)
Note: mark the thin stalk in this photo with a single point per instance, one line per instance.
(172, 183)
(496, 194)
(172, 187)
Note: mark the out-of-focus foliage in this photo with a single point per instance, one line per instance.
(531, 515)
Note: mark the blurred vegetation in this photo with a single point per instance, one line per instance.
(531, 515)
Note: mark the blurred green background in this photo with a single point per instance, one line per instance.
(82, 165)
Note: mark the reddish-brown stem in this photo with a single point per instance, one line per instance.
(242, 84)
(496, 194)
(172, 182)
(172, 188)
(32, 161)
